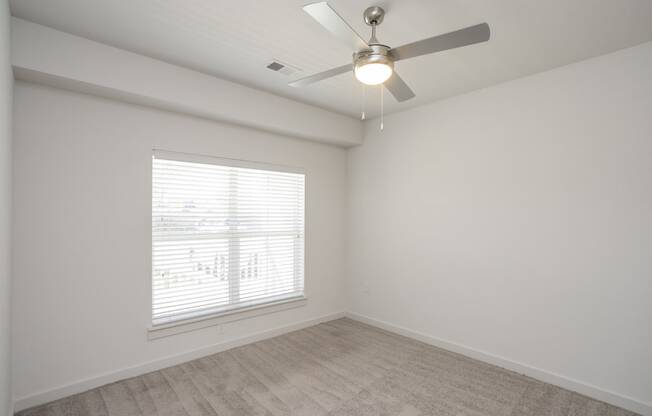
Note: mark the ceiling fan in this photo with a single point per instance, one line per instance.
(373, 62)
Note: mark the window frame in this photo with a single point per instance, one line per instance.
(233, 314)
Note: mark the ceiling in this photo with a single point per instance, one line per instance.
(235, 40)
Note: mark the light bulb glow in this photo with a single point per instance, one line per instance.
(373, 73)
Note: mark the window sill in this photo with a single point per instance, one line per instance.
(173, 328)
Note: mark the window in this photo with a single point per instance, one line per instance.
(226, 235)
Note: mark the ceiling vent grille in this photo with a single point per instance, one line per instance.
(283, 68)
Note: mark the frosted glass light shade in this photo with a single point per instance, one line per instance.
(373, 73)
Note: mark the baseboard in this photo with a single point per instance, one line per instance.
(536, 373)
(111, 377)
(545, 376)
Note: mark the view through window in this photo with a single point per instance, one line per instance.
(226, 235)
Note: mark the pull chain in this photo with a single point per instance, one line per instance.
(382, 109)
(364, 89)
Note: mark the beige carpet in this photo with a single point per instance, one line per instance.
(339, 368)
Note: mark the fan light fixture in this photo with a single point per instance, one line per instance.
(373, 66)
(373, 74)
(373, 62)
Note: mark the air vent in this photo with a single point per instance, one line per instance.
(283, 68)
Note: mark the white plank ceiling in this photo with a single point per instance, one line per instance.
(236, 39)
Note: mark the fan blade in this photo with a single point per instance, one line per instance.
(463, 37)
(311, 79)
(333, 22)
(398, 88)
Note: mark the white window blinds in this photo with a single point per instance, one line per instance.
(225, 235)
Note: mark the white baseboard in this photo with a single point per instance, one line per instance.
(536, 373)
(111, 377)
(548, 377)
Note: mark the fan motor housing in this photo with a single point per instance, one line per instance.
(376, 54)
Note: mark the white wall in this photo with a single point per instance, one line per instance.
(517, 221)
(45, 55)
(83, 232)
(6, 84)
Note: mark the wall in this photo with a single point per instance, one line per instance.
(515, 222)
(48, 56)
(82, 246)
(6, 84)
